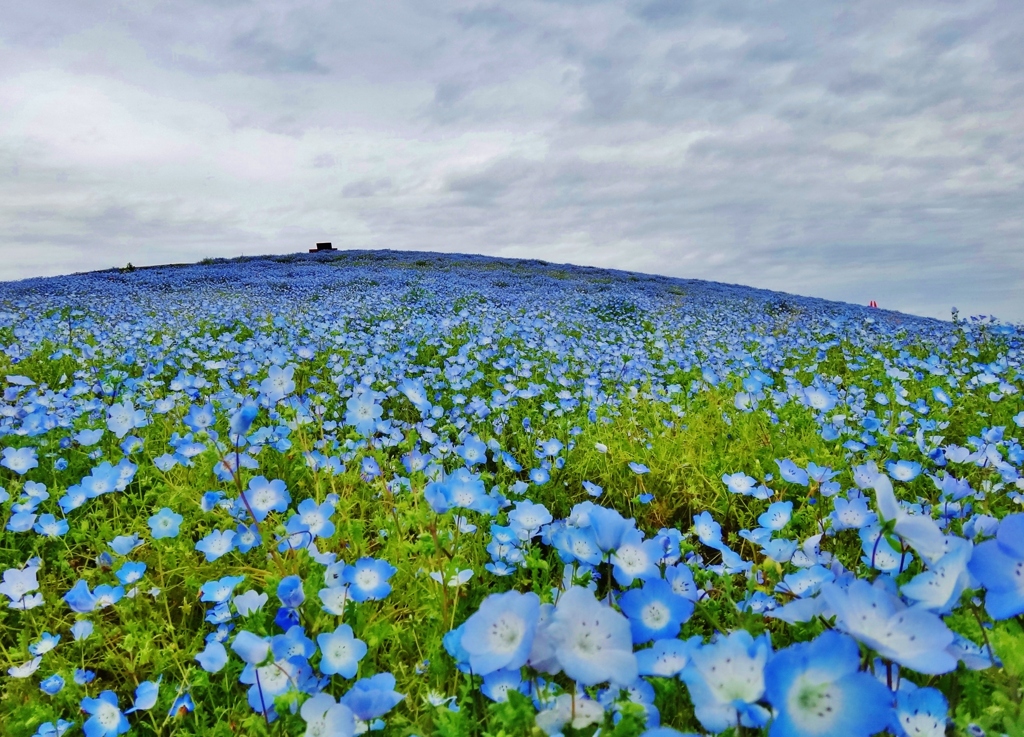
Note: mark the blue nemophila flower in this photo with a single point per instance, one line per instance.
(26, 669)
(527, 518)
(577, 543)
(54, 729)
(249, 602)
(316, 517)
(325, 716)
(367, 579)
(274, 679)
(341, 652)
(638, 468)
(49, 526)
(226, 468)
(35, 492)
(498, 684)
(220, 590)
(666, 658)
(939, 588)
(286, 617)
(19, 582)
(999, 566)
(84, 677)
(369, 469)
(81, 629)
(726, 680)
(500, 633)
(363, 411)
(817, 689)
(80, 598)
(911, 636)
(777, 516)
(146, 694)
(708, 531)
(123, 417)
(851, 514)
(459, 578)
(918, 530)
(592, 489)
(21, 522)
(290, 592)
(792, 472)
(73, 498)
(539, 476)
(680, 578)
(739, 483)
(473, 451)
(106, 595)
(44, 644)
(266, 496)
(124, 544)
(52, 685)
(216, 544)
(903, 470)
(940, 395)
(577, 710)
(105, 478)
(130, 572)
(247, 537)
(242, 419)
(372, 697)
(635, 558)
(20, 460)
(292, 643)
(183, 704)
(251, 648)
(106, 719)
(213, 658)
(165, 523)
(655, 611)
(278, 384)
(592, 642)
(415, 392)
(921, 712)
(333, 599)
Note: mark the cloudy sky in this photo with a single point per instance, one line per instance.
(848, 150)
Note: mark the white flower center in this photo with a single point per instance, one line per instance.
(814, 706)
(367, 578)
(655, 615)
(341, 651)
(506, 632)
(631, 559)
(922, 725)
(108, 716)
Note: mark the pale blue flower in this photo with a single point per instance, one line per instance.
(500, 633)
(213, 658)
(341, 652)
(817, 689)
(592, 642)
(726, 680)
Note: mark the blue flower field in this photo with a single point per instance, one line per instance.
(421, 494)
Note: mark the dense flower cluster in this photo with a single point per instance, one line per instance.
(356, 489)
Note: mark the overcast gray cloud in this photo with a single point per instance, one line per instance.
(852, 151)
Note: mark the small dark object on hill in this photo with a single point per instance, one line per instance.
(322, 247)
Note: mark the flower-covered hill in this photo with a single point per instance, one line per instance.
(440, 494)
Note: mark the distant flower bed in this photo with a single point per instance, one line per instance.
(336, 493)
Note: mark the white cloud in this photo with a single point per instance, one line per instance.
(857, 152)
